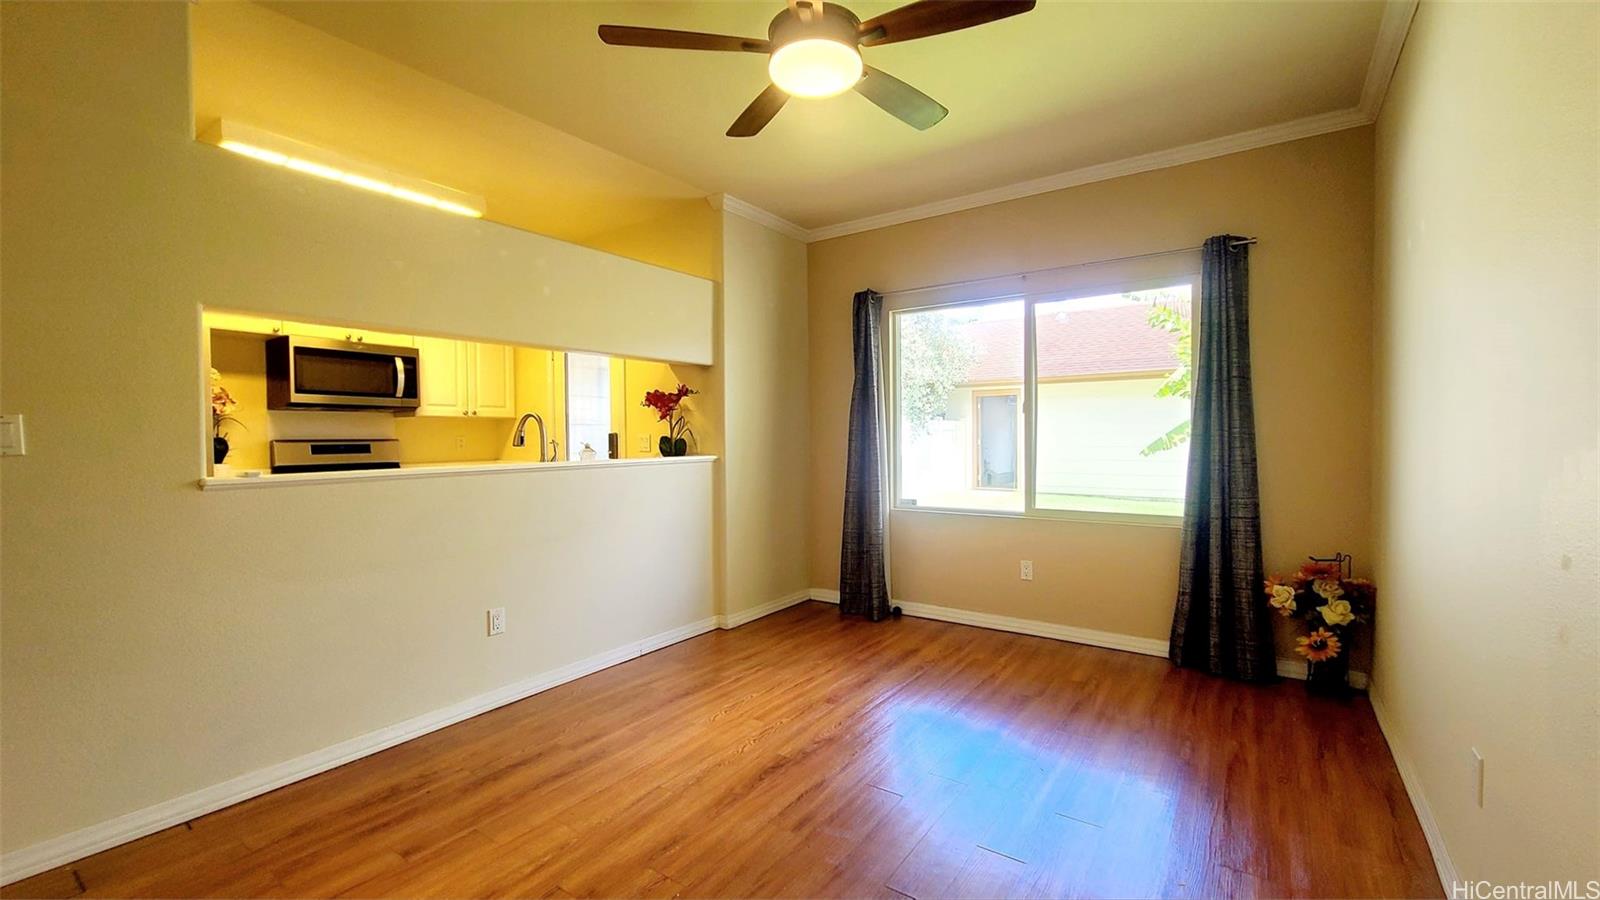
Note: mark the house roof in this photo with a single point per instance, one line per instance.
(1103, 341)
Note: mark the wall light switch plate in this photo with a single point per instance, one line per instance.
(644, 443)
(1027, 570)
(1477, 764)
(497, 621)
(13, 442)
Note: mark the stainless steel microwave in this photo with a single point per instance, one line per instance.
(318, 373)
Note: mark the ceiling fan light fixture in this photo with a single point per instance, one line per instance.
(814, 47)
(815, 67)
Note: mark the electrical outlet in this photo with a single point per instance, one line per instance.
(12, 440)
(497, 621)
(1477, 765)
(1027, 570)
(461, 442)
(644, 443)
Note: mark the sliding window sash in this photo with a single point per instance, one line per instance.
(1030, 402)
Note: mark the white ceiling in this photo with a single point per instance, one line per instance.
(1065, 87)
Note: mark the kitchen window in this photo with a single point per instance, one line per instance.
(1068, 405)
(588, 404)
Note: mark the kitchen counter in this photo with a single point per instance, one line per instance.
(255, 478)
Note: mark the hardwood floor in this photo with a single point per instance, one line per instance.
(803, 755)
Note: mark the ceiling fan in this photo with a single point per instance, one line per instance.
(815, 52)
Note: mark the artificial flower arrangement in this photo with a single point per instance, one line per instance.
(669, 409)
(222, 409)
(1323, 594)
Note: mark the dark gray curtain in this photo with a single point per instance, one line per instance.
(863, 590)
(1221, 623)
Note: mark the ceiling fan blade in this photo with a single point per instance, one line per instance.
(900, 100)
(630, 36)
(929, 17)
(760, 111)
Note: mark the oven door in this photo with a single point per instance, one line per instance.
(317, 373)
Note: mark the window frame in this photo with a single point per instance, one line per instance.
(1028, 401)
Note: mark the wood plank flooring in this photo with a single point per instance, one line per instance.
(805, 756)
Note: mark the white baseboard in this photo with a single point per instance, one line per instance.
(1442, 862)
(26, 861)
(1287, 668)
(734, 620)
(1108, 639)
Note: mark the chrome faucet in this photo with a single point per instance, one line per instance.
(520, 438)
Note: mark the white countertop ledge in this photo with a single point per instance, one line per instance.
(432, 470)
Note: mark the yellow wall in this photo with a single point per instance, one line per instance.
(682, 238)
(1309, 202)
(639, 421)
(1488, 212)
(255, 66)
(158, 639)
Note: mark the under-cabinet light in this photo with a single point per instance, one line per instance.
(304, 158)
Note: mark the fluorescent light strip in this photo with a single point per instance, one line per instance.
(353, 179)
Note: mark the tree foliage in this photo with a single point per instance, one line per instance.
(935, 357)
(1178, 381)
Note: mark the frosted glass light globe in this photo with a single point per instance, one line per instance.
(815, 67)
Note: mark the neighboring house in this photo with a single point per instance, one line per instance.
(1100, 366)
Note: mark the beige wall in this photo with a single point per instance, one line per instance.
(1309, 202)
(1488, 214)
(158, 639)
(766, 439)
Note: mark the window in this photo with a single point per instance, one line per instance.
(1113, 389)
(588, 403)
(958, 387)
(1105, 432)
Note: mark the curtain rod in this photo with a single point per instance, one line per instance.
(1095, 262)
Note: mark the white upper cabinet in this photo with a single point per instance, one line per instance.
(492, 384)
(443, 389)
(461, 378)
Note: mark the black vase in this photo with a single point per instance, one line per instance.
(670, 447)
(219, 449)
(1331, 677)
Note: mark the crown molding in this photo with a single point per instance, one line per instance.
(731, 204)
(1310, 126)
(1392, 31)
(1391, 38)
